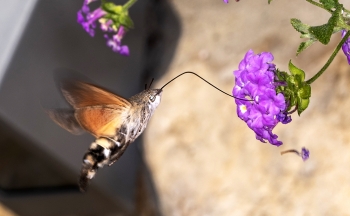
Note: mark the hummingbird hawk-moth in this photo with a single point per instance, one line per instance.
(113, 120)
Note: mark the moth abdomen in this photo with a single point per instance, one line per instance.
(98, 155)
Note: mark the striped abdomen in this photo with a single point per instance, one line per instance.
(106, 150)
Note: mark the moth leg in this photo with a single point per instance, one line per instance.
(97, 156)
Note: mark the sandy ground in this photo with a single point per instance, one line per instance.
(206, 161)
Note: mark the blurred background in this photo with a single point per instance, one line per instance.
(196, 157)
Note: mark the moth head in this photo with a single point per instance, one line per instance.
(154, 96)
(149, 97)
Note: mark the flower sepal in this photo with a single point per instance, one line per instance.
(294, 88)
(110, 7)
(118, 14)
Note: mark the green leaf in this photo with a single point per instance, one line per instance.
(304, 29)
(324, 32)
(269, 1)
(320, 33)
(329, 4)
(296, 71)
(299, 26)
(304, 45)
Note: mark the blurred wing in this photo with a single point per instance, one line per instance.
(80, 94)
(66, 119)
(103, 120)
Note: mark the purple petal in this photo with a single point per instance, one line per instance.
(284, 118)
(243, 109)
(346, 47)
(120, 34)
(80, 17)
(106, 25)
(85, 9)
(124, 50)
(96, 14)
(112, 43)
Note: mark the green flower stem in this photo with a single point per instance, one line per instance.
(129, 4)
(329, 60)
(318, 5)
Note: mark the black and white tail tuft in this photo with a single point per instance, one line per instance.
(98, 155)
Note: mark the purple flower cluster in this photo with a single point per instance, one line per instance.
(88, 20)
(255, 81)
(346, 46)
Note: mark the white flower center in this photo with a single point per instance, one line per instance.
(243, 108)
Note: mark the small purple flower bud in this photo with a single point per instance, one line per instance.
(226, 1)
(124, 50)
(284, 118)
(305, 154)
(346, 47)
(80, 17)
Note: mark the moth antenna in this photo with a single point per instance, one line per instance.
(190, 72)
(150, 84)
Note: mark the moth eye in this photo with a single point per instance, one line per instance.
(152, 98)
